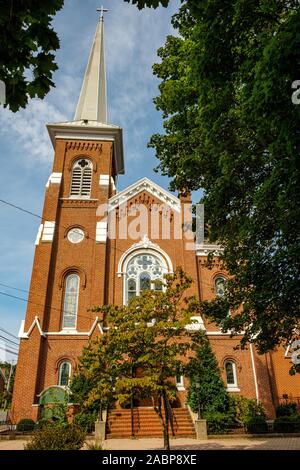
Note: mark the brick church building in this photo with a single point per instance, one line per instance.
(86, 255)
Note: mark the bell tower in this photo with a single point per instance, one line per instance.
(72, 248)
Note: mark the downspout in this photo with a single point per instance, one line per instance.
(254, 373)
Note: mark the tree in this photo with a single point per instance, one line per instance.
(203, 369)
(148, 3)
(27, 43)
(231, 129)
(148, 344)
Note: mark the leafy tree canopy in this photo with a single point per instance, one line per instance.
(231, 129)
(145, 348)
(148, 3)
(27, 43)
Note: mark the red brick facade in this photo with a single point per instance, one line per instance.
(45, 344)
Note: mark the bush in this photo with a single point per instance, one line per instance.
(57, 437)
(287, 409)
(86, 420)
(42, 423)
(256, 425)
(218, 423)
(25, 425)
(287, 424)
(246, 410)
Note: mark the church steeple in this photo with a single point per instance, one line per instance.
(92, 104)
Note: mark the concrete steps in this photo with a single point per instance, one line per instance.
(147, 424)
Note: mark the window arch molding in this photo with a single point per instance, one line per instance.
(231, 367)
(144, 246)
(73, 270)
(84, 157)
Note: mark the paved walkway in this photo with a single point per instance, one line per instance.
(275, 443)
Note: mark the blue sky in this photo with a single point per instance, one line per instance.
(132, 38)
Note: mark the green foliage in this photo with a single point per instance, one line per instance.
(143, 350)
(204, 368)
(43, 423)
(59, 437)
(232, 130)
(148, 3)
(288, 409)
(25, 425)
(246, 410)
(256, 425)
(27, 43)
(218, 423)
(287, 424)
(86, 420)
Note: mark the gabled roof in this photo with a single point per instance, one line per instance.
(141, 185)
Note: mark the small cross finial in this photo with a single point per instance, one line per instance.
(102, 10)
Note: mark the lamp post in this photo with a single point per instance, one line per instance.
(198, 397)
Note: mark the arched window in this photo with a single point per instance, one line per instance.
(144, 271)
(81, 183)
(220, 286)
(71, 301)
(230, 371)
(64, 374)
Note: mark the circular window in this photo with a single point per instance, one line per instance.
(75, 235)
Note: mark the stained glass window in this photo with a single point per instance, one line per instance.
(230, 374)
(220, 286)
(71, 301)
(144, 271)
(64, 374)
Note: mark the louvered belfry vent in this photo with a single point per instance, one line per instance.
(82, 178)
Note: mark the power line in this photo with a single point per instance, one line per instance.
(8, 333)
(9, 351)
(11, 287)
(9, 340)
(41, 305)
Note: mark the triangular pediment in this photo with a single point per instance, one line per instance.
(149, 186)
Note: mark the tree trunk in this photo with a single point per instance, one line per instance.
(166, 426)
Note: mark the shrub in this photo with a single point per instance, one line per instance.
(287, 424)
(57, 437)
(247, 409)
(25, 425)
(218, 423)
(42, 423)
(86, 420)
(288, 409)
(256, 425)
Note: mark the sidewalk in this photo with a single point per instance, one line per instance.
(276, 443)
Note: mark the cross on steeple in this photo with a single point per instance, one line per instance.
(102, 10)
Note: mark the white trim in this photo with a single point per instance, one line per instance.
(101, 232)
(25, 335)
(48, 232)
(254, 373)
(232, 389)
(142, 246)
(112, 181)
(180, 385)
(39, 234)
(54, 178)
(198, 324)
(69, 332)
(104, 180)
(204, 249)
(228, 333)
(144, 184)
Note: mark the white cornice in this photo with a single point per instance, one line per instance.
(144, 184)
(204, 249)
(90, 130)
(36, 322)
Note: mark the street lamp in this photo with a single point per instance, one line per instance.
(198, 397)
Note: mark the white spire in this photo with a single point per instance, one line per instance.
(92, 104)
